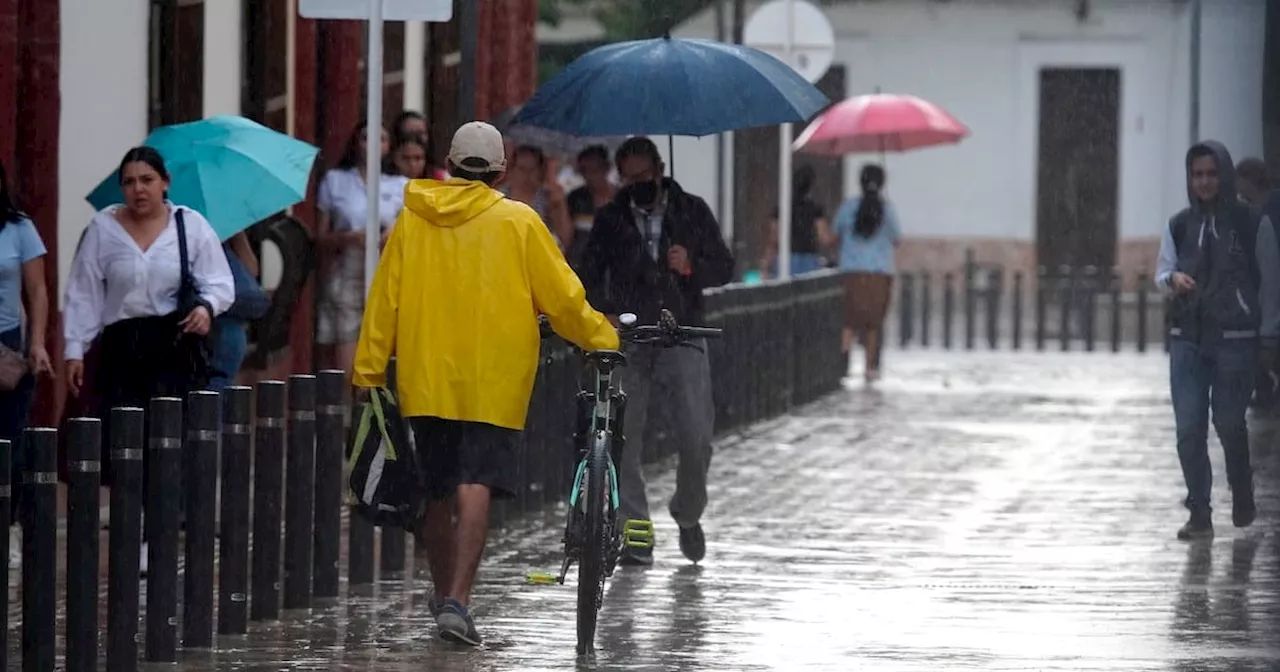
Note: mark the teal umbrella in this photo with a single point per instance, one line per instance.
(232, 170)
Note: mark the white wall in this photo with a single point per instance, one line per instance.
(222, 57)
(104, 104)
(980, 62)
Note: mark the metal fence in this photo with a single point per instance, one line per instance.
(260, 476)
(1063, 309)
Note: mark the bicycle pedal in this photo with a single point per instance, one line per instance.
(637, 533)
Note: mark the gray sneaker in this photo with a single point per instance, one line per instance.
(434, 604)
(456, 625)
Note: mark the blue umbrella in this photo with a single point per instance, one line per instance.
(671, 86)
(232, 170)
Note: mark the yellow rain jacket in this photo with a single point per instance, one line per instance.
(456, 298)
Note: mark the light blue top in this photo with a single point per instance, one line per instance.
(867, 255)
(19, 243)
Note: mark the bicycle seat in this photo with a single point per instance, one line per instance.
(606, 360)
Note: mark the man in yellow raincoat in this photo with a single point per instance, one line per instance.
(456, 298)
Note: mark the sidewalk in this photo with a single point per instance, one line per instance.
(972, 512)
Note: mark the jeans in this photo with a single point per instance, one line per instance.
(14, 406)
(802, 262)
(229, 342)
(1219, 376)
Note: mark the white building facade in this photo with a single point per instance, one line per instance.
(983, 60)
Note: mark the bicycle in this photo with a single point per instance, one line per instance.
(592, 538)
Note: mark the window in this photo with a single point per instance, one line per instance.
(176, 62)
(266, 78)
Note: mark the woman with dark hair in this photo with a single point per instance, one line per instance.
(409, 123)
(343, 206)
(21, 274)
(529, 181)
(868, 231)
(411, 158)
(126, 290)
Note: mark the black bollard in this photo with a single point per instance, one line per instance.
(328, 494)
(84, 452)
(1042, 300)
(164, 498)
(1066, 296)
(125, 540)
(970, 302)
(926, 307)
(905, 308)
(995, 286)
(268, 463)
(233, 543)
(1017, 310)
(1115, 283)
(300, 492)
(1089, 322)
(6, 509)
(948, 308)
(200, 460)
(39, 547)
(5, 519)
(1142, 312)
(359, 533)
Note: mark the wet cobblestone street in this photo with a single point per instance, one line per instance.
(971, 512)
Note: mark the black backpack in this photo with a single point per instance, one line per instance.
(384, 479)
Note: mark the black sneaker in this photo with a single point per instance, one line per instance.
(693, 543)
(456, 624)
(1199, 527)
(1243, 509)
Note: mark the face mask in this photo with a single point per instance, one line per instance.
(644, 193)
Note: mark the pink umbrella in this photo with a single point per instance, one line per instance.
(880, 123)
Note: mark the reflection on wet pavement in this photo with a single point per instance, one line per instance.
(973, 512)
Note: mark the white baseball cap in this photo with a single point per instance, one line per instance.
(478, 146)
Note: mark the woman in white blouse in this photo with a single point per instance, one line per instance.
(123, 291)
(343, 211)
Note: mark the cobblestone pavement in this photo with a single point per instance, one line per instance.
(971, 512)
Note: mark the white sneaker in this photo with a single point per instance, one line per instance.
(15, 547)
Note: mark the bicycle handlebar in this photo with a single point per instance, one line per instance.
(665, 331)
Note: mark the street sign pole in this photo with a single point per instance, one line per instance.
(375, 12)
(373, 143)
(784, 164)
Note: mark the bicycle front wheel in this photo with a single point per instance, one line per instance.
(595, 542)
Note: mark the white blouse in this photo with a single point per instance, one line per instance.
(112, 279)
(343, 196)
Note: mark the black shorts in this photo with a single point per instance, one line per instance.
(456, 452)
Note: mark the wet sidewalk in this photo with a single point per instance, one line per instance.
(972, 512)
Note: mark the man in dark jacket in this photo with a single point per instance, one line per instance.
(1222, 267)
(653, 247)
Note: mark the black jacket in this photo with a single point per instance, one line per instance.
(620, 275)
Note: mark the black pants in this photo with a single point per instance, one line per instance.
(141, 358)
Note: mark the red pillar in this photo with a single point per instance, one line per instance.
(8, 81)
(304, 128)
(38, 118)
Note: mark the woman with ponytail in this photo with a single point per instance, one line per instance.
(867, 227)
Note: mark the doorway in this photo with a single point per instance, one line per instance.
(1077, 190)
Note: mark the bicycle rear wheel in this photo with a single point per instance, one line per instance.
(595, 541)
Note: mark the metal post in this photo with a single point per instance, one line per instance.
(1194, 116)
(6, 510)
(373, 140)
(1042, 299)
(995, 286)
(948, 307)
(1115, 282)
(164, 483)
(970, 317)
(39, 548)
(233, 543)
(720, 199)
(1066, 296)
(300, 492)
(84, 452)
(905, 309)
(125, 541)
(268, 465)
(201, 490)
(926, 307)
(1017, 310)
(785, 133)
(1142, 312)
(1092, 278)
(330, 433)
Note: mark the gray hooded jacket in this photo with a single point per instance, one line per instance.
(1233, 257)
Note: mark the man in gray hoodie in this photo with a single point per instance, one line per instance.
(1221, 265)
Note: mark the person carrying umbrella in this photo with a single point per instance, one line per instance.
(657, 246)
(456, 298)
